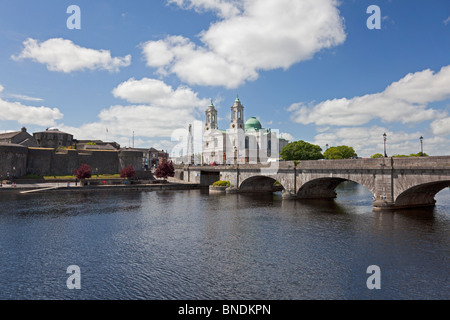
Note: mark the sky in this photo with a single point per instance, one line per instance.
(316, 70)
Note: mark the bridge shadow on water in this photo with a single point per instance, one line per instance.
(351, 197)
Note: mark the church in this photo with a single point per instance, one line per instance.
(241, 143)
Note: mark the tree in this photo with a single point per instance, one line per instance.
(301, 150)
(83, 172)
(127, 172)
(377, 155)
(340, 152)
(420, 154)
(165, 169)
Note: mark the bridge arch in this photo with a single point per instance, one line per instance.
(421, 195)
(259, 184)
(321, 188)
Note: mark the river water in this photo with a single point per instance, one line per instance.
(191, 245)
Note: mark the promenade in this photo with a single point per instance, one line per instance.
(72, 187)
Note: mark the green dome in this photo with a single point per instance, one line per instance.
(253, 124)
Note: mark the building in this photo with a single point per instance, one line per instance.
(157, 156)
(242, 142)
(53, 138)
(151, 158)
(21, 137)
(95, 145)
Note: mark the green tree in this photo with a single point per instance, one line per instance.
(301, 150)
(340, 152)
(400, 156)
(420, 154)
(377, 155)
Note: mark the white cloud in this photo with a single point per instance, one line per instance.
(446, 21)
(369, 140)
(252, 36)
(64, 56)
(146, 121)
(224, 8)
(23, 114)
(289, 137)
(156, 111)
(403, 101)
(441, 127)
(156, 92)
(24, 97)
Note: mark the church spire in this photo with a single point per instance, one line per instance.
(211, 117)
(237, 115)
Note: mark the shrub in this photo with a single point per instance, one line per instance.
(221, 183)
(165, 169)
(83, 172)
(127, 172)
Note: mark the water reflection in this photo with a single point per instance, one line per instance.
(192, 245)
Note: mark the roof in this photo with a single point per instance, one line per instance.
(54, 131)
(253, 124)
(9, 135)
(211, 106)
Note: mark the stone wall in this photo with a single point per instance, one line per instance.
(13, 159)
(48, 162)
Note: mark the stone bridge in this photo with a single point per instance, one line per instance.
(394, 182)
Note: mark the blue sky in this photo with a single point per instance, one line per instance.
(311, 69)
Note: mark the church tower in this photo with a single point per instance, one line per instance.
(211, 118)
(237, 115)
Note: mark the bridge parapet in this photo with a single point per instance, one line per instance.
(394, 182)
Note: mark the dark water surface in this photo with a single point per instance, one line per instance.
(192, 245)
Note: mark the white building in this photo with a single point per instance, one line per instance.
(242, 142)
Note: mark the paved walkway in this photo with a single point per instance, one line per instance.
(38, 185)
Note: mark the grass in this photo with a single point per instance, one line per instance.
(94, 176)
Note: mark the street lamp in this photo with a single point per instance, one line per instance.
(421, 146)
(326, 146)
(385, 138)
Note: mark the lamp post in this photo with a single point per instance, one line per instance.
(326, 146)
(421, 146)
(385, 138)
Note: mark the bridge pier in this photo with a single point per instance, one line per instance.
(289, 195)
(383, 205)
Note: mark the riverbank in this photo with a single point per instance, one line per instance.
(70, 187)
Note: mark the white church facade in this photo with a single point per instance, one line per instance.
(243, 142)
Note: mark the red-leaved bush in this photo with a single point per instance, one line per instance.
(165, 169)
(127, 172)
(83, 172)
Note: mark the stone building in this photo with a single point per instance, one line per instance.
(53, 138)
(20, 154)
(21, 137)
(157, 156)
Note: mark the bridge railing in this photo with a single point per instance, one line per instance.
(438, 162)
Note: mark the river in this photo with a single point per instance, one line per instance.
(169, 245)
